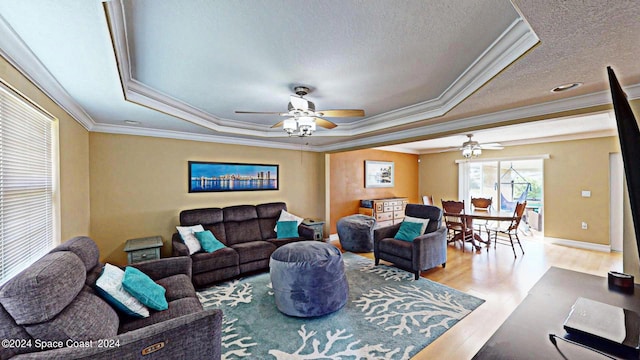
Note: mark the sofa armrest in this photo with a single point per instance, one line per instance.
(430, 246)
(305, 232)
(162, 268)
(197, 334)
(178, 248)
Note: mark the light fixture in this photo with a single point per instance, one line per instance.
(471, 149)
(565, 87)
(132, 122)
(304, 125)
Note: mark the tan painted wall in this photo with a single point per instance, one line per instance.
(347, 180)
(139, 185)
(74, 156)
(573, 166)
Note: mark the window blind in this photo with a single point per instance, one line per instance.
(26, 184)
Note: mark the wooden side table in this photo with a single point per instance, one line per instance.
(142, 249)
(317, 226)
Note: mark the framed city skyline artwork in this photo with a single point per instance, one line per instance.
(219, 176)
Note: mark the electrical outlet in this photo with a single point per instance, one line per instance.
(584, 226)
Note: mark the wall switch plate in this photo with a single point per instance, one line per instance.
(586, 193)
(584, 225)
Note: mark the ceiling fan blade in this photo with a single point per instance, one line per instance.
(492, 146)
(324, 123)
(342, 113)
(278, 124)
(258, 112)
(299, 103)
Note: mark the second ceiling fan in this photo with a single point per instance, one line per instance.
(303, 116)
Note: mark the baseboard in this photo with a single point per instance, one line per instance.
(579, 244)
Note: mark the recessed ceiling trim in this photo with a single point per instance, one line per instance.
(20, 56)
(179, 135)
(512, 43)
(517, 39)
(573, 103)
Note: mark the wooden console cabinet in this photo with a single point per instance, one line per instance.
(386, 211)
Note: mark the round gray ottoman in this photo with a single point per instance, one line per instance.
(308, 279)
(355, 233)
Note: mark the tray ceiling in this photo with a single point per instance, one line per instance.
(181, 68)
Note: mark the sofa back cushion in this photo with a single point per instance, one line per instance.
(84, 247)
(241, 224)
(88, 317)
(210, 218)
(433, 213)
(268, 215)
(201, 216)
(44, 289)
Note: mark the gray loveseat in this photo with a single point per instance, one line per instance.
(246, 230)
(51, 311)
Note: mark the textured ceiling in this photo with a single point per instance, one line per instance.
(417, 68)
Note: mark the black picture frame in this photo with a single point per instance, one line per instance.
(224, 176)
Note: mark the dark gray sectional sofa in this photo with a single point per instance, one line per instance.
(52, 303)
(246, 230)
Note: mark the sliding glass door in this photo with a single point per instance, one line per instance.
(506, 182)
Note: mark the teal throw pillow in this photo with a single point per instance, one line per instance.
(141, 287)
(287, 229)
(109, 287)
(408, 231)
(208, 241)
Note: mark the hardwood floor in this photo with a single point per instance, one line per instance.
(503, 281)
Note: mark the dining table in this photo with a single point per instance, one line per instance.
(490, 214)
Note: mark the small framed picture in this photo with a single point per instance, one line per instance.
(378, 174)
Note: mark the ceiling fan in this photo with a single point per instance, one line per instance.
(303, 117)
(471, 148)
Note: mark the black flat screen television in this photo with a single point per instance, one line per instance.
(629, 136)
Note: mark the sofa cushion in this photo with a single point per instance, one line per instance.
(187, 234)
(85, 248)
(242, 231)
(87, 317)
(208, 241)
(178, 287)
(201, 216)
(287, 229)
(144, 289)
(10, 330)
(239, 213)
(44, 289)
(176, 308)
(109, 287)
(399, 248)
(254, 251)
(218, 231)
(203, 262)
(270, 210)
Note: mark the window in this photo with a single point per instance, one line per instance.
(27, 187)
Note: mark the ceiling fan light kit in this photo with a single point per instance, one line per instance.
(303, 117)
(473, 149)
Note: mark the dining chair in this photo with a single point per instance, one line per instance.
(427, 200)
(481, 204)
(512, 229)
(456, 221)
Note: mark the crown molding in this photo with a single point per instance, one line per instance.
(20, 56)
(486, 120)
(512, 43)
(517, 39)
(181, 135)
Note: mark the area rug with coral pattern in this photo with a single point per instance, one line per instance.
(389, 315)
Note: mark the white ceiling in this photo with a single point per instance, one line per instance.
(418, 68)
